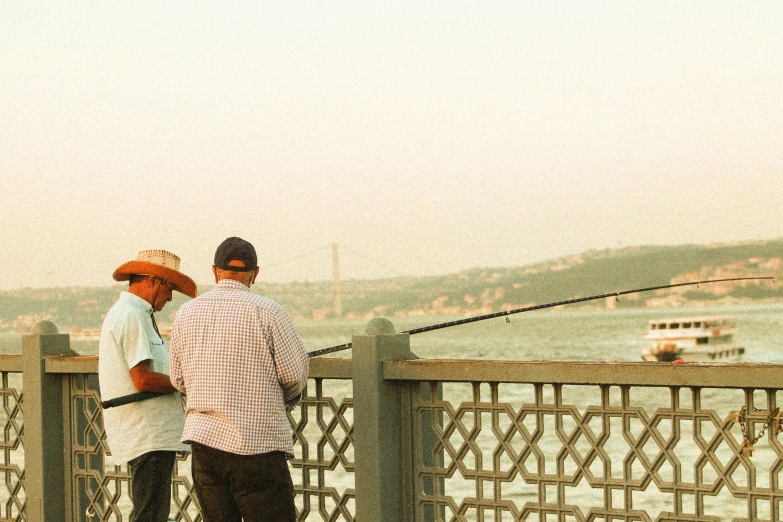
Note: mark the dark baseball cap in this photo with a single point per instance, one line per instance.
(236, 249)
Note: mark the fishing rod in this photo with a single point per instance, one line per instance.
(135, 397)
(504, 313)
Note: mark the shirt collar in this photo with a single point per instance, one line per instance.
(136, 301)
(230, 283)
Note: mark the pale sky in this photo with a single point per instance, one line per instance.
(423, 137)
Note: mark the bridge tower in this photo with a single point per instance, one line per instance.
(338, 307)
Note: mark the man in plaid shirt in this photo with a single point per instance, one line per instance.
(241, 364)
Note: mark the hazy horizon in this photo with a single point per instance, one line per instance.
(329, 280)
(424, 138)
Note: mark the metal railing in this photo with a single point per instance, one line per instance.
(12, 495)
(524, 447)
(387, 436)
(322, 425)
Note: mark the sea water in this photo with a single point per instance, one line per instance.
(562, 335)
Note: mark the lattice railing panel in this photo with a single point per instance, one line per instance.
(12, 496)
(508, 452)
(100, 487)
(322, 467)
(323, 452)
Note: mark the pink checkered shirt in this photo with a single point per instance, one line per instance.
(239, 360)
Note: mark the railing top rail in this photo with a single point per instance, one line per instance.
(71, 364)
(706, 375)
(10, 363)
(326, 368)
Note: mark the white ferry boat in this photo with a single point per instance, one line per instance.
(692, 339)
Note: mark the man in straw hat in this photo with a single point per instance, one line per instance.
(241, 363)
(133, 357)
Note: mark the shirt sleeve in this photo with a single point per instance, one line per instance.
(291, 361)
(175, 359)
(135, 340)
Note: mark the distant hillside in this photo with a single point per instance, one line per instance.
(470, 292)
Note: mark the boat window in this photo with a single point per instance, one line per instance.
(702, 340)
(674, 326)
(662, 326)
(697, 324)
(653, 326)
(686, 325)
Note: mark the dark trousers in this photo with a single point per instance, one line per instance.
(253, 488)
(151, 486)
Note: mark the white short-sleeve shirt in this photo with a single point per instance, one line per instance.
(128, 338)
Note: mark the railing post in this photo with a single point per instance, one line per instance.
(382, 444)
(44, 459)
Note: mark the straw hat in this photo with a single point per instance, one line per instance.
(159, 263)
